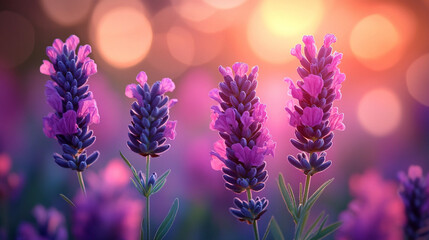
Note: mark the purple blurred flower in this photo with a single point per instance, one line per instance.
(109, 211)
(240, 119)
(9, 182)
(314, 117)
(376, 211)
(74, 106)
(150, 128)
(50, 226)
(414, 191)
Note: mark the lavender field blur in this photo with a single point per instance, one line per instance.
(385, 101)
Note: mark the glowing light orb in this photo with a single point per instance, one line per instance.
(373, 37)
(65, 12)
(224, 4)
(193, 10)
(418, 79)
(181, 44)
(276, 26)
(17, 39)
(379, 112)
(123, 36)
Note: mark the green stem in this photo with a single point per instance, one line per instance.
(81, 182)
(307, 188)
(255, 223)
(147, 200)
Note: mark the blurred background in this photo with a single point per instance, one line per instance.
(385, 96)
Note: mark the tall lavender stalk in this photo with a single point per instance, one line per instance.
(75, 108)
(240, 119)
(314, 119)
(414, 191)
(149, 129)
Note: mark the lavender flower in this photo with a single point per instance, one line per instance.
(150, 128)
(110, 210)
(249, 211)
(376, 211)
(314, 117)
(240, 119)
(74, 106)
(414, 191)
(50, 226)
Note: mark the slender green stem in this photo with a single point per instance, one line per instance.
(255, 223)
(147, 200)
(307, 188)
(81, 182)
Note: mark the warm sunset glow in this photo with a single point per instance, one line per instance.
(181, 44)
(124, 36)
(224, 4)
(276, 26)
(379, 112)
(193, 10)
(65, 12)
(418, 79)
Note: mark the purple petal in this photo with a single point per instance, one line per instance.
(141, 78)
(226, 121)
(336, 120)
(90, 67)
(52, 96)
(293, 115)
(72, 42)
(172, 102)
(225, 71)
(259, 112)
(89, 106)
(296, 51)
(131, 92)
(83, 53)
(335, 61)
(58, 45)
(310, 46)
(167, 85)
(249, 157)
(329, 39)
(52, 54)
(218, 155)
(214, 94)
(66, 125)
(240, 69)
(312, 85)
(49, 125)
(170, 130)
(47, 68)
(312, 116)
(294, 91)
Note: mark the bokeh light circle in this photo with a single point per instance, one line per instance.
(373, 37)
(123, 36)
(224, 4)
(193, 10)
(275, 27)
(181, 44)
(17, 39)
(418, 79)
(379, 112)
(66, 12)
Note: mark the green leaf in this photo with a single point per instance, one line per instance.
(309, 204)
(326, 231)
(309, 231)
(160, 182)
(289, 188)
(273, 229)
(287, 198)
(143, 229)
(168, 221)
(67, 200)
(300, 193)
(301, 224)
(133, 170)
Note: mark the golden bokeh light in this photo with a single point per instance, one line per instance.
(66, 12)
(276, 26)
(17, 39)
(373, 37)
(224, 4)
(123, 36)
(181, 44)
(193, 10)
(418, 79)
(379, 112)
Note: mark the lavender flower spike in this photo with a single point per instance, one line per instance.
(314, 117)
(150, 127)
(414, 190)
(75, 108)
(240, 119)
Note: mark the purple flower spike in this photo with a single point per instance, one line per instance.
(314, 117)
(50, 225)
(249, 211)
(74, 107)
(240, 119)
(414, 191)
(150, 127)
